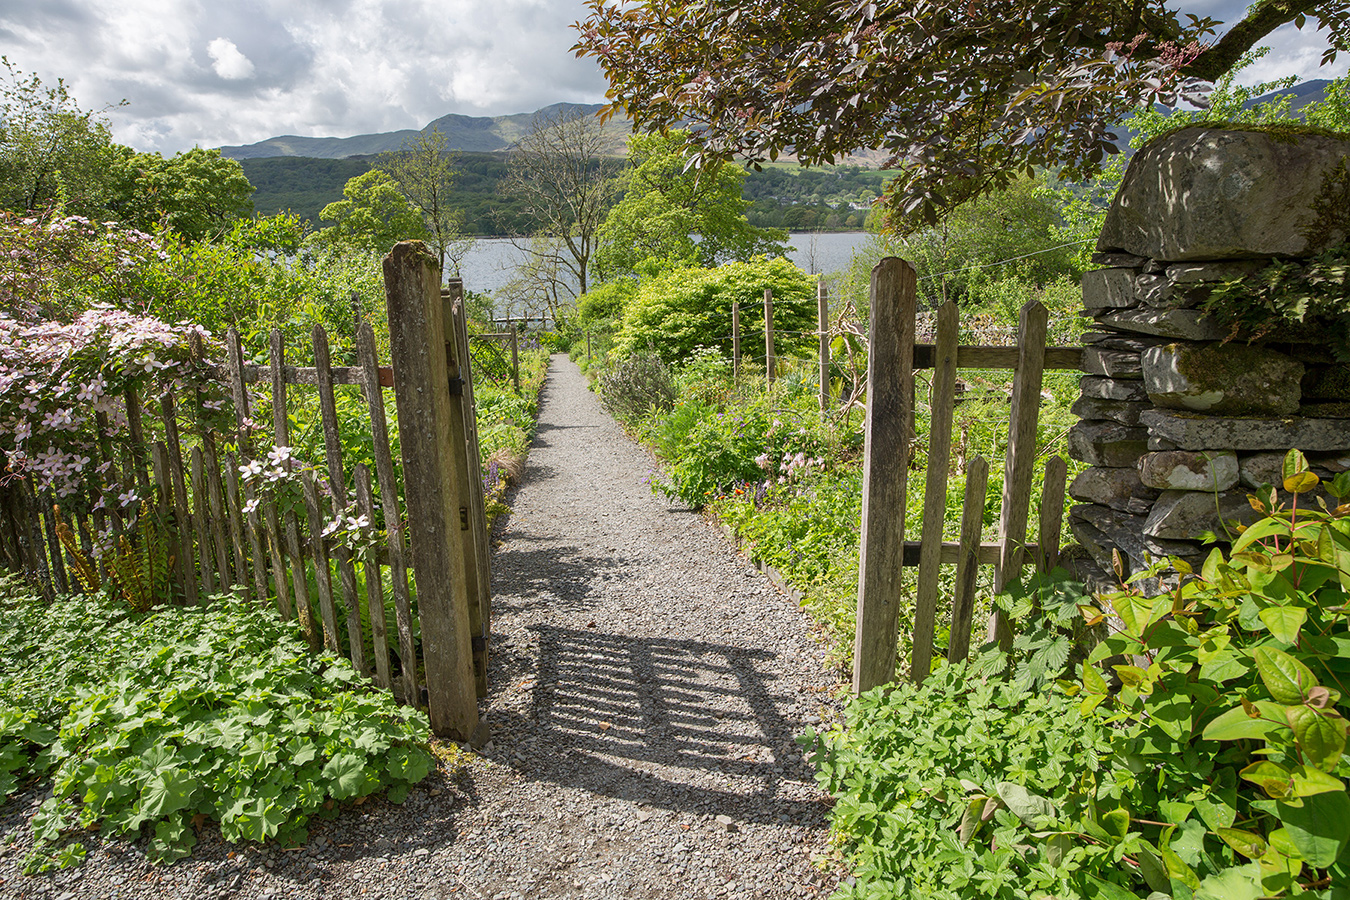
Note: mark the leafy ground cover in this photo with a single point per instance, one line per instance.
(149, 724)
(1197, 752)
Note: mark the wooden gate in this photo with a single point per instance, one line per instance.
(893, 356)
(225, 531)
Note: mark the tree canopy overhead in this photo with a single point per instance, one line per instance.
(961, 95)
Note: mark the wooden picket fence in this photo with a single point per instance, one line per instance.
(893, 357)
(224, 537)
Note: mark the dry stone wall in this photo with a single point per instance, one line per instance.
(1178, 422)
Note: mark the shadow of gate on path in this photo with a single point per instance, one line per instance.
(680, 724)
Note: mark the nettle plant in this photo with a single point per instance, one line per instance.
(1229, 696)
(62, 389)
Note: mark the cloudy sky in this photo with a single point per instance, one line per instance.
(213, 72)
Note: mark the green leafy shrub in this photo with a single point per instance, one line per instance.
(1290, 293)
(963, 788)
(1205, 763)
(678, 311)
(637, 385)
(1228, 698)
(145, 721)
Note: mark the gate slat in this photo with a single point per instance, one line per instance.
(1021, 457)
(972, 523)
(393, 519)
(332, 442)
(1052, 512)
(890, 415)
(935, 493)
(322, 574)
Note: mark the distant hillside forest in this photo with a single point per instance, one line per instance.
(832, 198)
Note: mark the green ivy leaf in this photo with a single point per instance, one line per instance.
(1287, 679)
(1294, 463)
(1237, 883)
(1308, 782)
(1023, 803)
(1270, 777)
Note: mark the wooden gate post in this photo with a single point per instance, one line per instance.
(736, 340)
(770, 363)
(473, 519)
(419, 344)
(823, 316)
(890, 422)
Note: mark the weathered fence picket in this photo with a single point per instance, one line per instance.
(893, 357)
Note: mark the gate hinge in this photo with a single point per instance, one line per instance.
(456, 386)
(478, 643)
(463, 518)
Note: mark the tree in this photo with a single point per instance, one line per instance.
(567, 186)
(673, 216)
(373, 215)
(424, 172)
(197, 193)
(51, 150)
(962, 95)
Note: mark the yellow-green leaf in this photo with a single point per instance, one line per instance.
(1249, 845)
(1320, 734)
(1284, 621)
(1287, 679)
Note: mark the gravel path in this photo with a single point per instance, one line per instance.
(646, 686)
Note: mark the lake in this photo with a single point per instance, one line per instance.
(489, 263)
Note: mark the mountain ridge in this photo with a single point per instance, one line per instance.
(478, 134)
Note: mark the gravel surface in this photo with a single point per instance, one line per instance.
(646, 687)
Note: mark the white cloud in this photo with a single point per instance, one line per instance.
(210, 73)
(230, 64)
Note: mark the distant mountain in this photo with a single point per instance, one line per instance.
(478, 134)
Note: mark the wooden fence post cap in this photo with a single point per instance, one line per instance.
(409, 253)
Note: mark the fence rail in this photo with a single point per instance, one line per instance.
(893, 358)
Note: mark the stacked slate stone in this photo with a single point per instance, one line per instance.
(1178, 424)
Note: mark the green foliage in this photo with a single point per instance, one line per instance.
(1042, 612)
(1223, 694)
(424, 172)
(372, 216)
(671, 216)
(219, 712)
(1020, 226)
(1290, 292)
(637, 385)
(678, 311)
(197, 193)
(51, 151)
(963, 787)
(602, 306)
